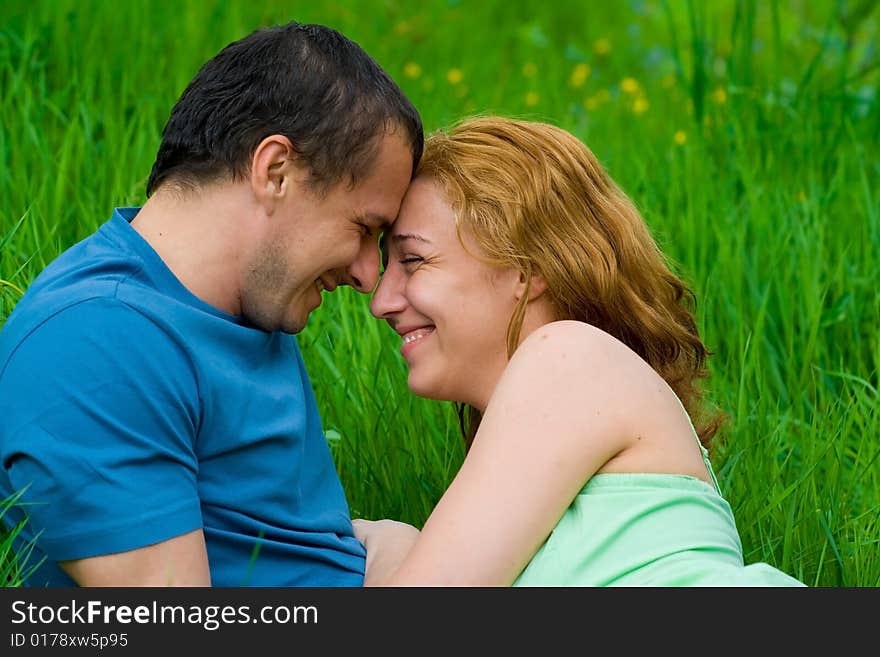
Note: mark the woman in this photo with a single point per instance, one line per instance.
(525, 285)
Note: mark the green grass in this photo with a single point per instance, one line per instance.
(747, 132)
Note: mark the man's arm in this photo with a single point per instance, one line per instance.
(99, 432)
(179, 561)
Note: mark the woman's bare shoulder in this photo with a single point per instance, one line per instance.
(587, 369)
(578, 342)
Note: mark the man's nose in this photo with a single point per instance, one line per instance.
(363, 273)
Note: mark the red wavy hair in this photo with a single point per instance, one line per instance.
(535, 198)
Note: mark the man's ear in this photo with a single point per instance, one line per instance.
(273, 169)
(535, 283)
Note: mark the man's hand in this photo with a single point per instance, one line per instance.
(387, 543)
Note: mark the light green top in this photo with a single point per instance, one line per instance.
(645, 529)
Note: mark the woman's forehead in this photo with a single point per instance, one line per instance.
(424, 208)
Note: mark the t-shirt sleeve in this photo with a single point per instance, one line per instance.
(100, 412)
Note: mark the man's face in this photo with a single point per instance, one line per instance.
(317, 243)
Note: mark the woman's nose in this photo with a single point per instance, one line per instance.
(388, 298)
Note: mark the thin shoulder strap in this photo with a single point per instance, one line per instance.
(708, 463)
(703, 450)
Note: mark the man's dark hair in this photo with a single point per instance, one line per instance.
(306, 82)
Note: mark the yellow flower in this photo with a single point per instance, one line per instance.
(579, 75)
(719, 95)
(402, 28)
(532, 99)
(602, 46)
(412, 70)
(629, 85)
(454, 76)
(640, 105)
(591, 103)
(603, 95)
(529, 70)
(680, 137)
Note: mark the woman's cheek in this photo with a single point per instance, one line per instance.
(418, 292)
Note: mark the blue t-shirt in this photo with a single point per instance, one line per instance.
(133, 412)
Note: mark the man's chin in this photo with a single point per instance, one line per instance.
(294, 326)
(289, 325)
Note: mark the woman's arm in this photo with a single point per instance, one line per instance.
(558, 413)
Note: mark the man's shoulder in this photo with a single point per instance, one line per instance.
(91, 267)
(61, 288)
(75, 304)
(89, 273)
(57, 334)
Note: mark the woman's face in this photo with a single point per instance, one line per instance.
(450, 309)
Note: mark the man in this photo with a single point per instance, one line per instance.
(158, 421)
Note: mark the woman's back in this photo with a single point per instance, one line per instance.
(647, 529)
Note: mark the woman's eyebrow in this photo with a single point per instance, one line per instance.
(409, 236)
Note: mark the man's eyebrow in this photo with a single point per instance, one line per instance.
(380, 220)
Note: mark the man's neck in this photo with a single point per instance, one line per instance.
(201, 236)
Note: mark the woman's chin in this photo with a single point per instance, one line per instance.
(421, 388)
